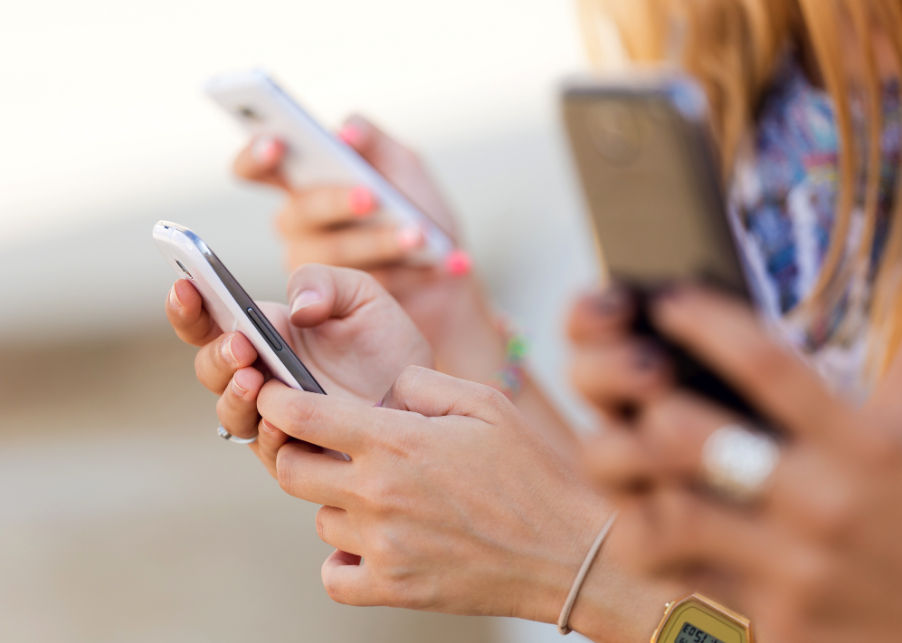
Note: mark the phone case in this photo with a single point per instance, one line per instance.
(315, 156)
(652, 185)
(229, 304)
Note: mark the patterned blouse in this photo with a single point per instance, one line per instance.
(783, 200)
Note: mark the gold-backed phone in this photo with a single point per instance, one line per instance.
(652, 180)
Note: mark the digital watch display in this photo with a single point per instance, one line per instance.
(697, 619)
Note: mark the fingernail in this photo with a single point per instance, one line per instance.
(668, 291)
(611, 301)
(362, 201)
(227, 353)
(304, 299)
(266, 150)
(648, 357)
(269, 428)
(174, 300)
(350, 135)
(237, 389)
(458, 263)
(410, 238)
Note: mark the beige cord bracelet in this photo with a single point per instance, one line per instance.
(563, 621)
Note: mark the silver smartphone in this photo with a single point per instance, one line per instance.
(229, 304)
(314, 155)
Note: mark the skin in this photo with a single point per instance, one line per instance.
(817, 557)
(517, 531)
(325, 224)
(348, 331)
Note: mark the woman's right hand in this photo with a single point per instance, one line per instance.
(339, 224)
(613, 370)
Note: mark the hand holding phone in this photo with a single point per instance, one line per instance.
(351, 333)
(313, 157)
(652, 184)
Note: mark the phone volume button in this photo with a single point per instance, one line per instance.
(265, 329)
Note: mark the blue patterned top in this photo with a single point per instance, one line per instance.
(784, 199)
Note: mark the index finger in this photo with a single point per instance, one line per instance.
(260, 161)
(187, 315)
(323, 420)
(727, 336)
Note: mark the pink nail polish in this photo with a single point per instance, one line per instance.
(362, 201)
(410, 238)
(267, 150)
(458, 263)
(350, 135)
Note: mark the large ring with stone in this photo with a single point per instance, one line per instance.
(737, 462)
(225, 435)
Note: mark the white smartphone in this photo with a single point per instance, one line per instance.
(229, 304)
(314, 155)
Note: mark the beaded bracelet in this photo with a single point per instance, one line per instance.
(509, 379)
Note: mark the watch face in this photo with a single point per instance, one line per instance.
(692, 634)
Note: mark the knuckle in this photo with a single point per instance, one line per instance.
(491, 399)
(284, 473)
(764, 361)
(408, 381)
(806, 574)
(833, 514)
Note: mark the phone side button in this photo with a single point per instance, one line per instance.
(265, 329)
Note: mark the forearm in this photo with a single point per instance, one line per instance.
(473, 347)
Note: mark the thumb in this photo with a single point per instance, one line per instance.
(317, 293)
(435, 394)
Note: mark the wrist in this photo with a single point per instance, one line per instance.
(615, 604)
(470, 345)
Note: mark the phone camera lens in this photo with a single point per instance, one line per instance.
(248, 113)
(616, 133)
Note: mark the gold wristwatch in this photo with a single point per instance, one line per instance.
(697, 619)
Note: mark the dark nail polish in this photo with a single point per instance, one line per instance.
(648, 357)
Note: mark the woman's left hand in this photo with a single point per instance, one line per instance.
(816, 557)
(449, 501)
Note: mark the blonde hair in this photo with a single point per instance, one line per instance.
(733, 48)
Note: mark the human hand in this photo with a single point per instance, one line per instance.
(340, 224)
(817, 556)
(348, 331)
(449, 502)
(612, 369)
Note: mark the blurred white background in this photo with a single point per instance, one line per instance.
(123, 517)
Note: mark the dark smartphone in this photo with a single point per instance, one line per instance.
(652, 183)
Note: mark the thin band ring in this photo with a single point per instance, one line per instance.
(225, 435)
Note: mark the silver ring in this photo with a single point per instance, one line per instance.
(737, 463)
(225, 435)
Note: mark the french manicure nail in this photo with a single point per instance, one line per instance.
(174, 300)
(304, 299)
(237, 389)
(266, 150)
(362, 201)
(227, 353)
(410, 238)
